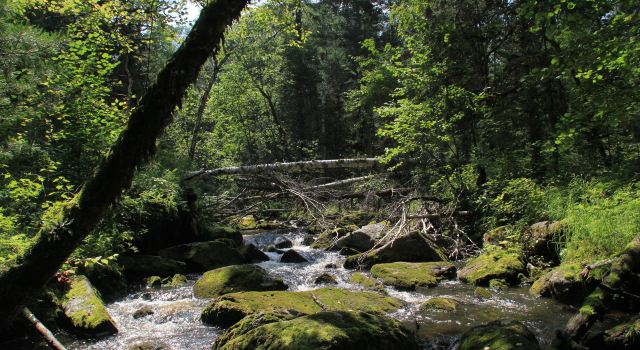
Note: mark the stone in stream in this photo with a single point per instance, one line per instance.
(174, 281)
(625, 336)
(409, 276)
(411, 247)
(494, 263)
(482, 293)
(143, 312)
(282, 243)
(84, 312)
(308, 240)
(291, 256)
(363, 238)
(331, 266)
(107, 278)
(326, 278)
(336, 330)
(327, 239)
(154, 282)
(203, 256)
(247, 223)
(235, 278)
(252, 254)
(346, 251)
(231, 308)
(149, 265)
(499, 335)
(366, 281)
(567, 284)
(149, 346)
(440, 304)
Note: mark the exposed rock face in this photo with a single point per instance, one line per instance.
(84, 311)
(363, 238)
(412, 247)
(203, 256)
(409, 276)
(539, 241)
(231, 308)
(235, 278)
(493, 263)
(150, 265)
(336, 330)
(566, 283)
(499, 335)
(291, 256)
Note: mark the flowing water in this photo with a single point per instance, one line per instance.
(177, 326)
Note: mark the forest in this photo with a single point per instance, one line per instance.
(320, 174)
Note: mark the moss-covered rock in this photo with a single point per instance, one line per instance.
(365, 281)
(501, 236)
(540, 241)
(412, 247)
(440, 304)
(409, 276)
(107, 278)
(327, 239)
(231, 308)
(493, 263)
(337, 330)
(482, 293)
(215, 232)
(143, 312)
(363, 238)
(566, 283)
(248, 222)
(177, 280)
(625, 336)
(498, 284)
(237, 278)
(251, 322)
(203, 256)
(84, 311)
(499, 335)
(154, 282)
(252, 254)
(135, 266)
(326, 278)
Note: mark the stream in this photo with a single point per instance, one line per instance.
(176, 321)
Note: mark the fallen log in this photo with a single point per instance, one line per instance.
(43, 330)
(289, 167)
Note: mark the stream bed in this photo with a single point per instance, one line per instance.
(176, 324)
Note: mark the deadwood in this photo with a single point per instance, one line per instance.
(57, 239)
(43, 330)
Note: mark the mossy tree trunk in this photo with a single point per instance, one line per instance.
(57, 240)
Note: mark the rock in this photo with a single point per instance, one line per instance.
(354, 218)
(84, 311)
(154, 282)
(291, 256)
(107, 278)
(409, 276)
(331, 266)
(625, 336)
(325, 330)
(493, 263)
(346, 251)
(231, 308)
(176, 280)
(272, 249)
(271, 225)
(251, 322)
(203, 256)
(365, 281)
(498, 284)
(412, 247)
(482, 293)
(235, 278)
(247, 223)
(282, 243)
(326, 278)
(501, 236)
(149, 346)
(149, 265)
(212, 233)
(327, 240)
(252, 254)
(440, 304)
(308, 240)
(161, 226)
(143, 312)
(566, 284)
(363, 238)
(499, 335)
(539, 241)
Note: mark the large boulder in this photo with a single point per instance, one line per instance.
(231, 308)
(493, 263)
(567, 283)
(409, 276)
(336, 330)
(327, 239)
(539, 241)
(499, 335)
(106, 278)
(203, 256)
(252, 254)
(282, 243)
(215, 232)
(292, 256)
(411, 247)
(235, 278)
(150, 265)
(363, 238)
(84, 312)
(440, 304)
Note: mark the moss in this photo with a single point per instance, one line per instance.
(442, 304)
(235, 278)
(364, 280)
(482, 293)
(499, 335)
(251, 322)
(498, 284)
(85, 311)
(409, 276)
(229, 309)
(494, 263)
(327, 239)
(326, 278)
(154, 282)
(247, 223)
(178, 280)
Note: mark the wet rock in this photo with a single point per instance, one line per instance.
(566, 283)
(235, 278)
(154, 282)
(346, 251)
(482, 293)
(499, 335)
(493, 263)
(331, 266)
(231, 308)
(625, 336)
(84, 312)
(247, 223)
(149, 265)
(308, 240)
(412, 247)
(440, 304)
(366, 281)
(150, 346)
(252, 254)
(107, 278)
(143, 312)
(282, 243)
(327, 240)
(272, 249)
(363, 238)
(498, 284)
(539, 241)
(251, 322)
(409, 276)
(325, 330)
(203, 256)
(291, 256)
(326, 278)
(175, 281)
(215, 232)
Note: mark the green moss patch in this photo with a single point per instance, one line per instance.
(409, 276)
(84, 311)
(236, 278)
(499, 335)
(493, 263)
(440, 304)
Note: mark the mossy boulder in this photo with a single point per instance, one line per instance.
(334, 330)
(482, 293)
(567, 283)
(440, 304)
(252, 254)
(326, 278)
(292, 256)
(498, 284)
(237, 278)
(84, 311)
(135, 266)
(625, 336)
(501, 236)
(540, 241)
(411, 247)
(493, 263)
(327, 239)
(363, 238)
(231, 308)
(177, 280)
(154, 282)
(409, 276)
(203, 256)
(215, 232)
(251, 322)
(143, 312)
(247, 223)
(107, 278)
(365, 281)
(499, 335)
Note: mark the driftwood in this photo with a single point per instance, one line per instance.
(59, 238)
(44, 331)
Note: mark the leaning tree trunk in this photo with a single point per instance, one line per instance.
(57, 240)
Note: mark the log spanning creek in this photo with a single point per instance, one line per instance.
(175, 323)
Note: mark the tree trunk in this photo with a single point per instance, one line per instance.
(58, 238)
